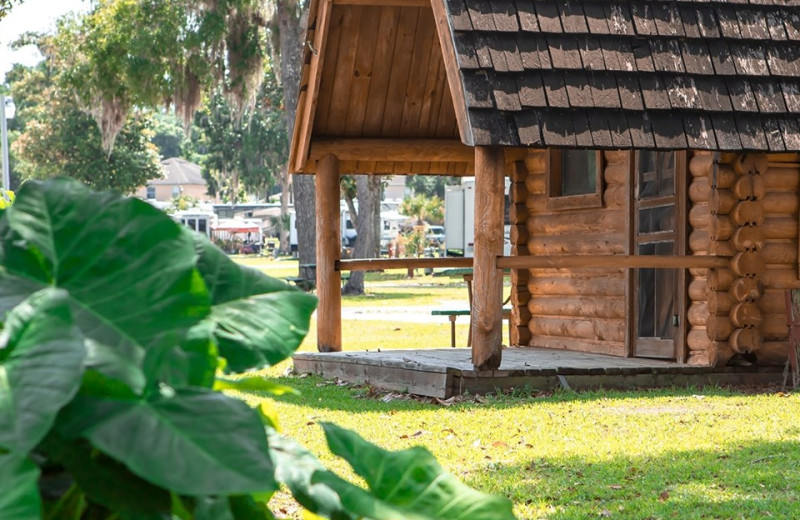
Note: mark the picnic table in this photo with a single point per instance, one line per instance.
(452, 314)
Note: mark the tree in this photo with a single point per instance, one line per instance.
(169, 136)
(243, 152)
(129, 53)
(57, 138)
(287, 28)
(430, 185)
(367, 191)
(423, 209)
(6, 5)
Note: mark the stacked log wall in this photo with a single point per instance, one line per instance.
(779, 254)
(518, 217)
(580, 310)
(710, 232)
(745, 207)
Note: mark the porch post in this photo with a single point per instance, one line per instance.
(329, 250)
(487, 298)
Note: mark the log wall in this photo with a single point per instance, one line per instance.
(710, 231)
(575, 310)
(741, 206)
(747, 207)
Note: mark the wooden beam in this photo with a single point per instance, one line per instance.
(487, 300)
(374, 264)
(401, 150)
(329, 280)
(451, 67)
(612, 262)
(314, 55)
(385, 3)
(398, 150)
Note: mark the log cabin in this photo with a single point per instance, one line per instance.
(652, 148)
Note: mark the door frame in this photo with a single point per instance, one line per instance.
(681, 248)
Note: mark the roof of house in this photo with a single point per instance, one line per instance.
(181, 172)
(659, 74)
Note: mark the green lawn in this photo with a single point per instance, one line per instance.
(681, 453)
(667, 454)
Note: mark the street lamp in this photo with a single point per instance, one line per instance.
(7, 111)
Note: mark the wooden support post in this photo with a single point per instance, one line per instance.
(487, 300)
(329, 251)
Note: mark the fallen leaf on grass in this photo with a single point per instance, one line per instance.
(615, 486)
(388, 398)
(414, 435)
(499, 444)
(663, 496)
(605, 512)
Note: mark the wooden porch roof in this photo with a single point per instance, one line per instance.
(373, 70)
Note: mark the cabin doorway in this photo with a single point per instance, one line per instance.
(658, 230)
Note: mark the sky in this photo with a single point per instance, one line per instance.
(31, 15)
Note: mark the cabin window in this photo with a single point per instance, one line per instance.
(656, 171)
(575, 179)
(151, 192)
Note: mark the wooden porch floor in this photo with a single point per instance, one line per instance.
(446, 372)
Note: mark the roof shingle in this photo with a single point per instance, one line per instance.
(704, 74)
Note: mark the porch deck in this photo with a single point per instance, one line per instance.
(446, 372)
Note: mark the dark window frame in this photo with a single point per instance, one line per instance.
(557, 201)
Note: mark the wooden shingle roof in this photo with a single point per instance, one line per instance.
(658, 74)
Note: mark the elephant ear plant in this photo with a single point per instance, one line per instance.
(116, 321)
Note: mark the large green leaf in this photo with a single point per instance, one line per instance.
(407, 485)
(192, 441)
(412, 479)
(239, 507)
(258, 321)
(129, 269)
(19, 496)
(41, 362)
(109, 483)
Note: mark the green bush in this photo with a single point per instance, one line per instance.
(119, 329)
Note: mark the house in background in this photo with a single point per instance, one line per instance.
(181, 177)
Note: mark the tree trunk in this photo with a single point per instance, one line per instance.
(369, 197)
(292, 26)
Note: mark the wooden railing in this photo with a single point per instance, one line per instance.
(543, 262)
(612, 262)
(370, 264)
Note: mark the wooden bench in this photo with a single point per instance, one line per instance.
(452, 314)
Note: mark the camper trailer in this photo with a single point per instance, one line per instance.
(459, 219)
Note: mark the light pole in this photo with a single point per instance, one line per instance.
(7, 111)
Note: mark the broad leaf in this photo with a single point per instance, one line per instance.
(413, 480)
(300, 471)
(108, 482)
(41, 361)
(191, 441)
(240, 507)
(128, 268)
(258, 321)
(408, 484)
(193, 362)
(253, 384)
(19, 499)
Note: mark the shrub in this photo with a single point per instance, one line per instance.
(120, 328)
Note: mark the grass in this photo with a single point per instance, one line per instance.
(373, 335)
(668, 454)
(680, 453)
